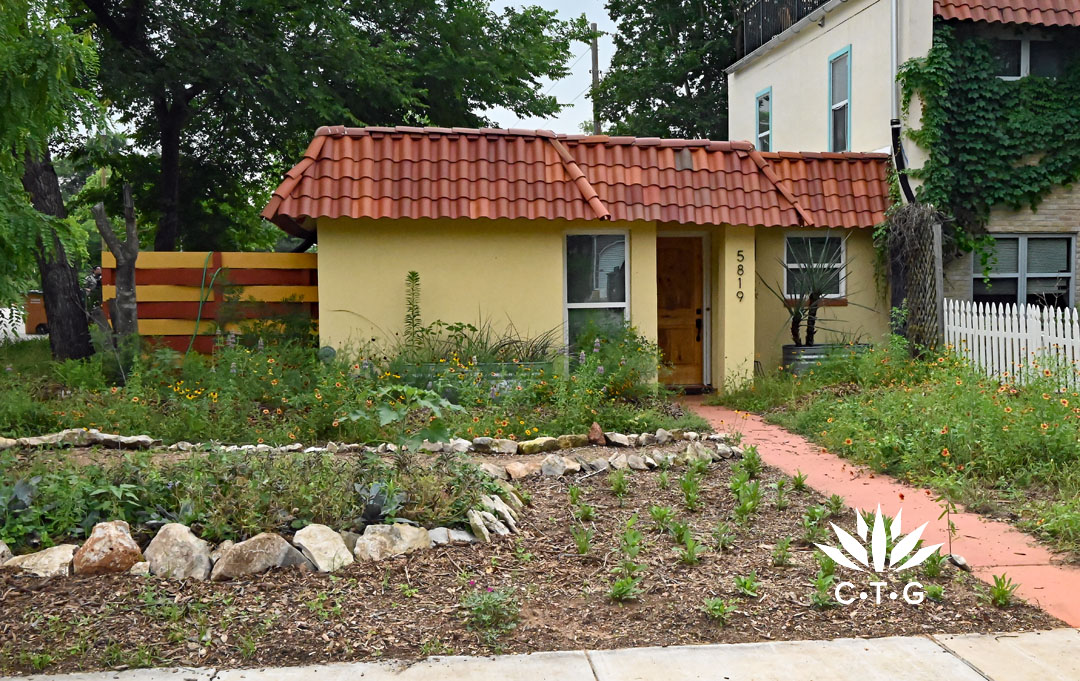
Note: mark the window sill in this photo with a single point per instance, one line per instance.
(828, 302)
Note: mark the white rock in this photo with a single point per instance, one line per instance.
(553, 465)
(478, 527)
(646, 440)
(503, 512)
(260, 553)
(459, 445)
(494, 470)
(323, 547)
(617, 439)
(5, 553)
(140, 569)
(385, 541)
(52, 562)
(434, 447)
(599, 464)
(618, 462)
(636, 462)
(663, 437)
(502, 446)
(445, 535)
(494, 524)
(224, 546)
(176, 553)
(691, 435)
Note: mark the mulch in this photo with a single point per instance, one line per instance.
(408, 607)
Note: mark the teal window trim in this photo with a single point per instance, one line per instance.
(767, 92)
(845, 52)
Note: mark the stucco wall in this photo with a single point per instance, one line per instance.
(797, 72)
(865, 318)
(498, 270)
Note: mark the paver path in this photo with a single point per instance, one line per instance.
(1030, 656)
(991, 547)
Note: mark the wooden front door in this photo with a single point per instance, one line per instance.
(680, 299)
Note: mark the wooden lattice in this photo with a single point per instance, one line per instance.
(915, 274)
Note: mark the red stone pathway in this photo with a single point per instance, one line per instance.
(991, 547)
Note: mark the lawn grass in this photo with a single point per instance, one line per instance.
(992, 446)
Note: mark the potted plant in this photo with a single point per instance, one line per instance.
(815, 273)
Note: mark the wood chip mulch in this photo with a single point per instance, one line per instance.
(408, 607)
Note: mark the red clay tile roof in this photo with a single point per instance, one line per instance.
(1035, 12)
(535, 174)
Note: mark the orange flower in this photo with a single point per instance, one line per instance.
(944, 429)
(848, 442)
(945, 452)
(1044, 426)
(1008, 410)
(1064, 402)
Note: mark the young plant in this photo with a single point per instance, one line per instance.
(749, 498)
(813, 529)
(680, 531)
(690, 483)
(835, 505)
(585, 513)
(490, 613)
(1001, 591)
(690, 552)
(935, 592)
(719, 609)
(748, 585)
(933, 564)
(663, 481)
(662, 516)
(625, 589)
(619, 483)
(781, 494)
(574, 492)
(826, 565)
(821, 596)
(723, 536)
(751, 462)
(631, 539)
(739, 479)
(798, 483)
(781, 556)
(582, 538)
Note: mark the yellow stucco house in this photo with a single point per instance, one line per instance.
(549, 231)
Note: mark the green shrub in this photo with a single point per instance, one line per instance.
(492, 613)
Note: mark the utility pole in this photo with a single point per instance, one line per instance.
(595, 81)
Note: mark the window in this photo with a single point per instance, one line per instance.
(814, 262)
(596, 283)
(764, 120)
(1037, 270)
(1020, 57)
(840, 100)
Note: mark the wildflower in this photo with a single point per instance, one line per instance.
(581, 357)
(232, 368)
(596, 345)
(945, 452)
(944, 430)
(960, 467)
(291, 436)
(266, 411)
(1064, 402)
(134, 399)
(848, 441)
(335, 424)
(1044, 426)
(1008, 410)
(113, 390)
(600, 369)
(273, 381)
(1046, 396)
(829, 420)
(260, 345)
(1047, 373)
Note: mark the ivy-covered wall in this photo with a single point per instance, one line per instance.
(990, 142)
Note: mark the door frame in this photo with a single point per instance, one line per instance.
(706, 295)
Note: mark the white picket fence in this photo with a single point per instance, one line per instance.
(1011, 341)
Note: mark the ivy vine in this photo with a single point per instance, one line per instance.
(990, 141)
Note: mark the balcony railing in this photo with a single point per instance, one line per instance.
(763, 19)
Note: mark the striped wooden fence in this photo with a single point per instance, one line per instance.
(1006, 340)
(181, 294)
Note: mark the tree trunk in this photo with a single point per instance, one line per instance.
(171, 120)
(65, 305)
(124, 312)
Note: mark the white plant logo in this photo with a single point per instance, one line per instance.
(878, 559)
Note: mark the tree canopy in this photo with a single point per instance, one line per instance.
(44, 67)
(221, 97)
(667, 76)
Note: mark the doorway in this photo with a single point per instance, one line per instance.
(682, 328)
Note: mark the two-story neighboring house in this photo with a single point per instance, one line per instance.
(820, 75)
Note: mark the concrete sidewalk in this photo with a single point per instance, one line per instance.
(1033, 656)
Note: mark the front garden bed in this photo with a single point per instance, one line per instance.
(416, 605)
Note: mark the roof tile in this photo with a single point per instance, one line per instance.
(1033, 12)
(410, 172)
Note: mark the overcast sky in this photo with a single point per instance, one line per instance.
(573, 89)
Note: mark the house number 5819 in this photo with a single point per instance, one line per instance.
(740, 269)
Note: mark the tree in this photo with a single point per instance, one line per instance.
(223, 96)
(42, 64)
(667, 76)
